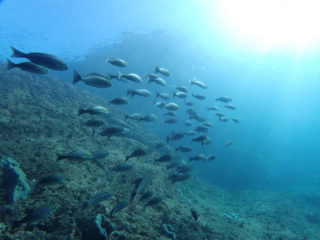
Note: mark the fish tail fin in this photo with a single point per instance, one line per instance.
(156, 69)
(59, 157)
(130, 92)
(127, 158)
(10, 64)
(17, 53)
(168, 140)
(76, 77)
(126, 117)
(119, 75)
(157, 94)
(81, 111)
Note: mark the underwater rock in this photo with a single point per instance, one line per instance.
(167, 230)
(14, 179)
(99, 229)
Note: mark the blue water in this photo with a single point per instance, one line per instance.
(276, 144)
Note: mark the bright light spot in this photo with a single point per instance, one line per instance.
(271, 24)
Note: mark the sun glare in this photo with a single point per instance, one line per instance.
(273, 23)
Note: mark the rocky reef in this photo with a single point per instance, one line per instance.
(39, 119)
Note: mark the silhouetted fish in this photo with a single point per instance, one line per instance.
(51, 179)
(118, 207)
(35, 215)
(27, 67)
(136, 153)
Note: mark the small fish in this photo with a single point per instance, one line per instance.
(198, 157)
(163, 71)
(164, 96)
(211, 158)
(99, 154)
(228, 143)
(121, 168)
(141, 186)
(136, 153)
(51, 180)
(194, 214)
(151, 76)
(158, 80)
(149, 118)
(202, 129)
(189, 104)
(175, 136)
(43, 59)
(35, 215)
(164, 158)
(172, 106)
(198, 83)
(158, 104)
(75, 155)
(184, 149)
(117, 62)
(224, 99)
(139, 92)
(190, 133)
(171, 114)
(119, 101)
(118, 207)
(171, 121)
(94, 123)
(99, 197)
(235, 120)
(188, 123)
(95, 110)
(153, 201)
(214, 108)
(223, 119)
(207, 124)
(206, 142)
(180, 94)
(229, 106)
(178, 177)
(133, 77)
(219, 114)
(198, 96)
(182, 89)
(200, 139)
(110, 131)
(27, 67)
(145, 196)
(134, 116)
(92, 80)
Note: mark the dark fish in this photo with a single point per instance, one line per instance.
(28, 67)
(121, 168)
(224, 99)
(235, 120)
(184, 149)
(171, 121)
(99, 197)
(162, 70)
(141, 186)
(189, 104)
(198, 157)
(136, 153)
(110, 131)
(154, 201)
(43, 59)
(35, 215)
(92, 80)
(198, 96)
(171, 114)
(94, 123)
(194, 214)
(51, 180)
(99, 154)
(119, 101)
(210, 158)
(149, 118)
(214, 108)
(230, 107)
(118, 207)
(178, 177)
(202, 129)
(145, 196)
(164, 158)
(201, 139)
(175, 136)
(117, 62)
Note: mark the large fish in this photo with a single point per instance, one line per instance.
(43, 59)
(92, 80)
(27, 67)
